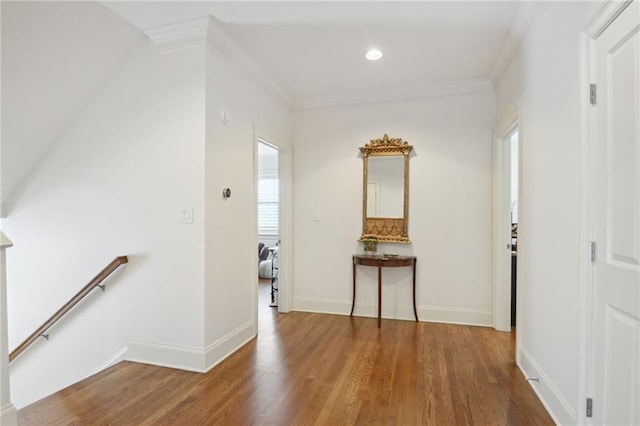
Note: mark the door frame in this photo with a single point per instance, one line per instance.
(285, 173)
(594, 27)
(502, 217)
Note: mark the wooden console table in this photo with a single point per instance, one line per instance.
(381, 261)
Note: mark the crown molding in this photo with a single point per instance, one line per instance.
(180, 34)
(220, 39)
(525, 22)
(209, 30)
(5, 241)
(464, 87)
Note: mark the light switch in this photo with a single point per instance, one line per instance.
(316, 215)
(186, 215)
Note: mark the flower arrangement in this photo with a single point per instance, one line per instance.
(370, 243)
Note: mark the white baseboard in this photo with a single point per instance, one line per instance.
(116, 358)
(189, 358)
(225, 346)
(449, 315)
(558, 407)
(163, 355)
(8, 415)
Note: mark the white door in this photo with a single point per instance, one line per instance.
(616, 327)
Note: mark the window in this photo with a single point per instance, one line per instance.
(268, 205)
(268, 190)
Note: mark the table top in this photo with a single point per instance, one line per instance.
(382, 260)
(383, 256)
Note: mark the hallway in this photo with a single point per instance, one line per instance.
(308, 368)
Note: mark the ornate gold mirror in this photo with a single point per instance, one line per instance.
(385, 204)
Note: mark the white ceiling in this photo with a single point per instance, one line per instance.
(57, 55)
(315, 50)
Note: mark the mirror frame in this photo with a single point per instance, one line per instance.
(386, 229)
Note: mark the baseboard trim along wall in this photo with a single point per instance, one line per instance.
(116, 358)
(449, 315)
(558, 407)
(216, 352)
(185, 357)
(163, 355)
(8, 415)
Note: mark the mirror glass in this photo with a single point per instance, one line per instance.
(385, 201)
(385, 187)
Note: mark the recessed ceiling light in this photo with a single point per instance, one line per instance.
(373, 54)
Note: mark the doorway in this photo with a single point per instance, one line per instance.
(507, 169)
(513, 191)
(268, 208)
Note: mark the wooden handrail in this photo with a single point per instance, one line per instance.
(108, 270)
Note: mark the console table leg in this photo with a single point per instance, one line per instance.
(379, 295)
(415, 311)
(353, 301)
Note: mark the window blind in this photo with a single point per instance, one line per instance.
(268, 196)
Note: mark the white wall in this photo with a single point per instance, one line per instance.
(544, 84)
(231, 273)
(56, 57)
(113, 185)
(149, 144)
(449, 215)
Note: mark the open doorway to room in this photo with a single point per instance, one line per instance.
(268, 199)
(513, 191)
(507, 200)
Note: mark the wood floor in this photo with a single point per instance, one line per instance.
(315, 369)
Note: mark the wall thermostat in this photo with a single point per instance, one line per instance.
(226, 193)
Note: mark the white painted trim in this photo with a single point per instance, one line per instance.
(594, 27)
(322, 306)
(207, 29)
(501, 289)
(163, 355)
(223, 42)
(501, 210)
(507, 125)
(603, 17)
(524, 24)
(586, 208)
(113, 360)
(179, 35)
(5, 242)
(219, 350)
(195, 31)
(558, 407)
(465, 87)
(8, 415)
(285, 256)
(441, 314)
(186, 357)
(255, 277)
(285, 176)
